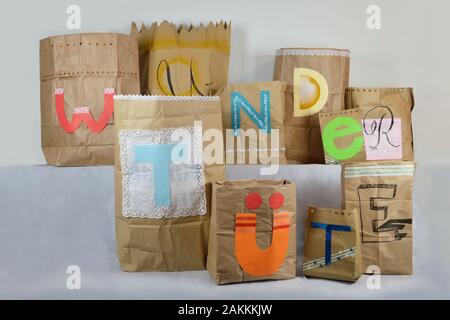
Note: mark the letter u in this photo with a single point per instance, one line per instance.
(254, 260)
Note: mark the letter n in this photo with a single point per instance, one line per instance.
(260, 119)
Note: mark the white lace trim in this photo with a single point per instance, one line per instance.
(313, 52)
(166, 98)
(137, 184)
(369, 89)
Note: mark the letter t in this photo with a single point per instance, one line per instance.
(329, 228)
(159, 155)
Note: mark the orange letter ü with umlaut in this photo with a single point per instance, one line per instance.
(254, 260)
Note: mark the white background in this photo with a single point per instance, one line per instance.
(411, 49)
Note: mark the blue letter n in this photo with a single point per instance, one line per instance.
(261, 119)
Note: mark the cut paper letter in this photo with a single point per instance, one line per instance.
(310, 92)
(254, 260)
(260, 119)
(83, 114)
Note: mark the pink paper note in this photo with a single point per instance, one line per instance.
(383, 138)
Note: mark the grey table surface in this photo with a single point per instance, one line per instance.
(51, 218)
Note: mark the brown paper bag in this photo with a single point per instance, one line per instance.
(144, 36)
(184, 61)
(332, 244)
(253, 122)
(368, 132)
(386, 113)
(253, 231)
(319, 78)
(163, 183)
(79, 75)
(382, 193)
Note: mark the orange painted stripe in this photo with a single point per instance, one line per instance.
(246, 218)
(245, 224)
(284, 226)
(281, 221)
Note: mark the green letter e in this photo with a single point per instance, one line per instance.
(332, 131)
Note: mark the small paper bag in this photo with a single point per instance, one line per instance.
(332, 244)
(253, 231)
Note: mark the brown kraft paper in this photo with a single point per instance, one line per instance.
(344, 260)
(253, 231)
(320, 87)
(157, 231)
(389, 103)
(265, 101)
(80, 73)
(382, 193)
(183, 60)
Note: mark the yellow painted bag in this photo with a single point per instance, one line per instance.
(182, 60)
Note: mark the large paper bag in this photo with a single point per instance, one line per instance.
(381, 191)
(184, 60)
(332, 244)
(253, 231)
(163, 180)
(253, 122)
(80, 74)
(318, 79)
(386, 121)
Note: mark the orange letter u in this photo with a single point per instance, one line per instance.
(254, 260)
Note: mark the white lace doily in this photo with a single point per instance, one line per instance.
(187, 181)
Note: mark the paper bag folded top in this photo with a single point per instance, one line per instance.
(181, 60)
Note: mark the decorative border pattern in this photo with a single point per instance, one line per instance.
(379, 171)
(318, 263)
(126, 139)
(166, 98)
(313, 52)
(96, 73)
